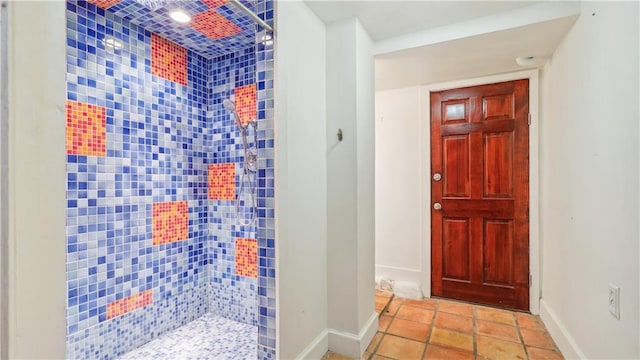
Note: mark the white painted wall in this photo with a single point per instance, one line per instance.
(350, 188)
(37, 289)
(590, 183)
(4, 175)
(301, 181)
(341, 182)
(398, 242)
(365, 156)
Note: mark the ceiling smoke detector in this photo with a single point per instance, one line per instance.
(526, 61)
(180, 16)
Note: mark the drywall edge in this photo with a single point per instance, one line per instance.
(37, 254)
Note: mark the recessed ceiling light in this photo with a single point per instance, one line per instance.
(180, 16)
(267, 40)
(112, 42)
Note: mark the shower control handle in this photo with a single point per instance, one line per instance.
(437, 177)
(437, 206)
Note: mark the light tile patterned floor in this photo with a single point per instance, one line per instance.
(442, 329)
(209, 337)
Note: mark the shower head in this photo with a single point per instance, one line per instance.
(230, 106)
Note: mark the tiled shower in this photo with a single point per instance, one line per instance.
(155, 238)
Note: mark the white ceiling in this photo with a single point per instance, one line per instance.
(425, 42)
(386, 19)
(469, 57)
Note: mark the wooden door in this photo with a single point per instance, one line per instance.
(480, 234)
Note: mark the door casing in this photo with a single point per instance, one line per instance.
(534, 158)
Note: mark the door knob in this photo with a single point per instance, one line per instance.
(437, 177)
(437, 206)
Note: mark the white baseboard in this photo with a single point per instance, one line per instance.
(559, 333)
(350, 344)
(317, 348)
(407, 281)
(398, 273)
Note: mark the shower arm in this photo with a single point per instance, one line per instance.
(251, 14)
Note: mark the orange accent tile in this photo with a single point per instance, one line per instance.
(168, 60)
(383, 323)
(222, 181)
(455, 308)
(247, 257)
(399, 348)
(86, 129)
(214, 25)
(409, 329)
(529, 322)
(501, 331)
(537, 338)
(543, 354)
(214, 3)
(497, 315)
(170, 222)
(452, 339)
(245, 99)
(104, 4)
(496, 349)
(426, 303)
(128, 304)
(454, 322)
(439, 353)
(413, 313)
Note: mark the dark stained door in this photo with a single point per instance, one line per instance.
(480, 231)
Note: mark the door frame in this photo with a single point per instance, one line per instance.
(534, 184)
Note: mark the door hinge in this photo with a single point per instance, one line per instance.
(529, 120)
(530, 280)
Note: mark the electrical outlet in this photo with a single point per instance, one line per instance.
(614, 301)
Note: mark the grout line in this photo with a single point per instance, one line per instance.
(384, 332)
(431, 327)
(475, 331)
(526, 353)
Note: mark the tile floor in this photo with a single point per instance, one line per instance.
(442, 329)
(209, 337)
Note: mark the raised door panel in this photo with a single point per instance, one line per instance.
(498, 165)
(455, 249)
(455, 159)
(497, 251)
(498, 107)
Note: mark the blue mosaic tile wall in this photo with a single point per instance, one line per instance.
(160, 138)
(266, 196)
(154, 153)
(233, 296)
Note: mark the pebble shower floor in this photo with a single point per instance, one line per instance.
(209, 337)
